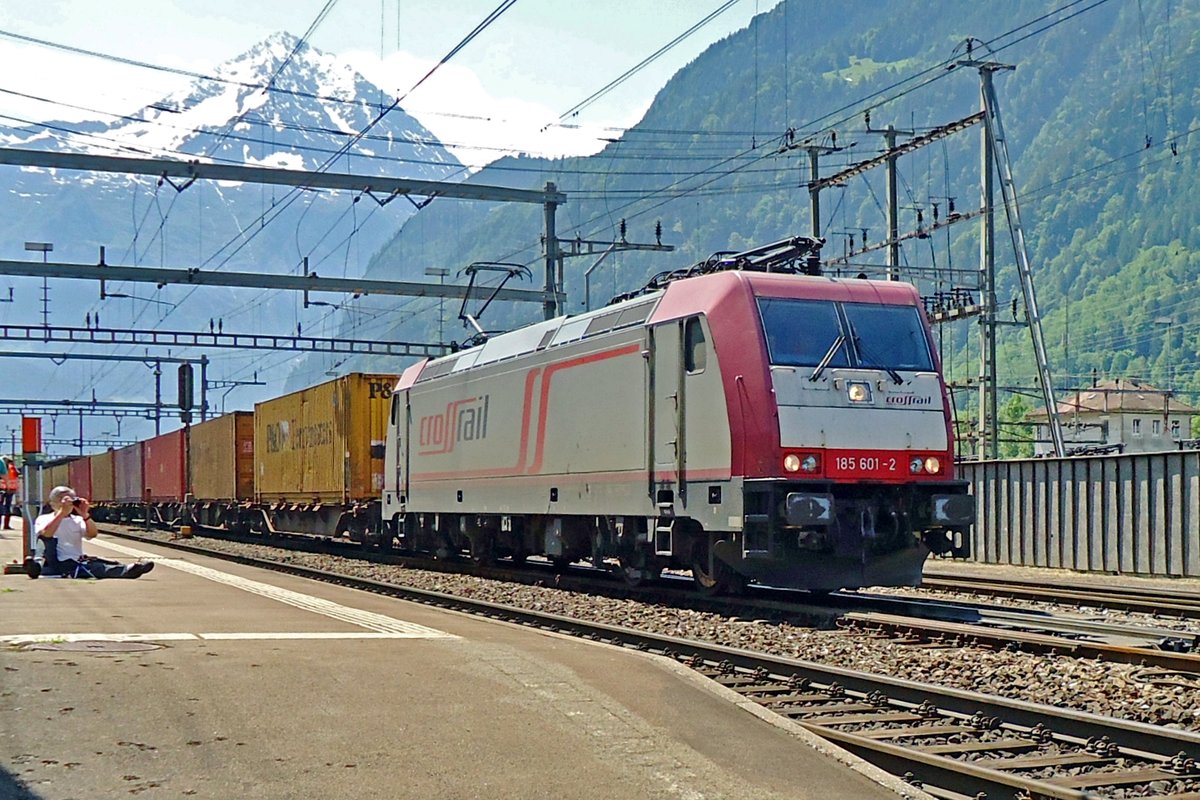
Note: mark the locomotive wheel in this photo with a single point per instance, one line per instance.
(712, 576)
(634, 571)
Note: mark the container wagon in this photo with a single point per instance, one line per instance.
(318, 458)
(221, 469)
(164, 475)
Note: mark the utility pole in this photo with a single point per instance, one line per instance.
(893, 206)
(987, 443)
(996, 156)
(157, 398)
(43, 248)
(204, 387)
(815, 151)
(551, 308)
(440, 273)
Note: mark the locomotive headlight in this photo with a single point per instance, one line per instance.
(916, 465)
(858, 392)
(933, 465)
(800, 462)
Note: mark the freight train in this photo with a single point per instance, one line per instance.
(307, 462)
(744, 419)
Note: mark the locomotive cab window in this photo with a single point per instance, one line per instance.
(809, 333)
(800, 333)
(396, 409)
(889, 337)
(695, 351)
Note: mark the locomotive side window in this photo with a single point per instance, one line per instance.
(695, 354)
(889, 337)
(800, 333)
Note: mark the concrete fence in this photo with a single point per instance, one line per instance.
(1136, 514)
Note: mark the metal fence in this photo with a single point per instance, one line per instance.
(1137, 514)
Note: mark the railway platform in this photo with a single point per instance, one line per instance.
(213, 680)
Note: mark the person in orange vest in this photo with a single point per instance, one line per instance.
(10, 482)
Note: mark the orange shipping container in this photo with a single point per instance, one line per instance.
(222, 457)
(102, 477)
(324, 443)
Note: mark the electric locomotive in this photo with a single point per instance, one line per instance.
(744, 418)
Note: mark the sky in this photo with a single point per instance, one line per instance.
(505, 89)
(536, 61)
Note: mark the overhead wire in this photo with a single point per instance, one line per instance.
(574, 110)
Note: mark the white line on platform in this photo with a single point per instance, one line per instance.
(32, 638)
(355, 616)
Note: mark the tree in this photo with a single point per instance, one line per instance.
(1016, 433)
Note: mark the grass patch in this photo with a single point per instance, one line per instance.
(862, 69)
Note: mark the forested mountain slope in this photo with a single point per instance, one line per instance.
(1101, 117)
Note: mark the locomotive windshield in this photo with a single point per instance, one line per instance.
(812, 333)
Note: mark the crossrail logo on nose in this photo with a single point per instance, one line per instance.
(463, 421)
(908, 399)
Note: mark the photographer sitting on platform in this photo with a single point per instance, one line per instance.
(62, 532)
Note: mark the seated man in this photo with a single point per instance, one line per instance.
(62, 532)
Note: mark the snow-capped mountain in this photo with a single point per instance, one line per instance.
(316, 107)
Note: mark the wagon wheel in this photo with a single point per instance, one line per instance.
(561, 563)
(483, 548)
(712, 576)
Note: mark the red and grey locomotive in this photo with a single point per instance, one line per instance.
(740, 418)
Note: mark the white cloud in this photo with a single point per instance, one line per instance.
(477, 125)
(89, 84)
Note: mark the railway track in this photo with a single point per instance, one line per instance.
(919, 622)
(1181, 604)
(951, 742)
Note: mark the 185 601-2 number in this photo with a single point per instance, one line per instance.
(865, 464)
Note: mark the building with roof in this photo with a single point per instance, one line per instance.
(1124, 415)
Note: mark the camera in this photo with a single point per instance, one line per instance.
(75, 502)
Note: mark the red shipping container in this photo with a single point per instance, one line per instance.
(127, 474)
(79, 475)
(164, 466)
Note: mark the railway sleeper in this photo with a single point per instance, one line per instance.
(917, 732)
(1092, 780)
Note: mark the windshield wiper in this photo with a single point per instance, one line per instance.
(865, 355)
(829, 354)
